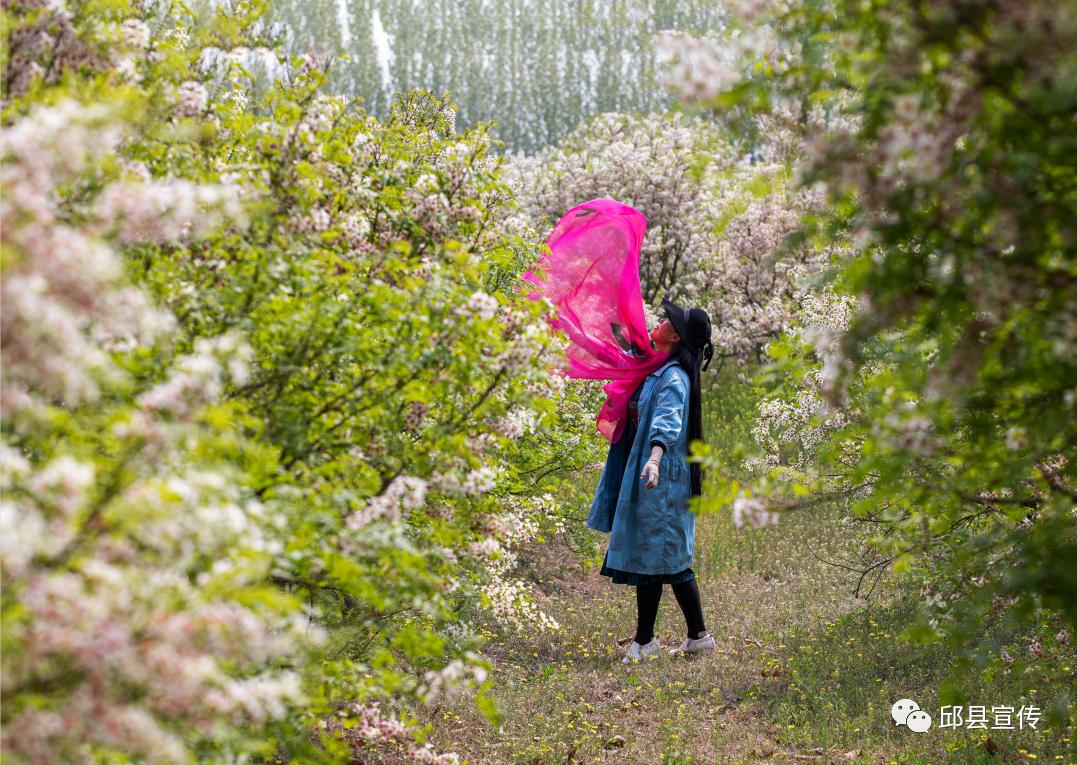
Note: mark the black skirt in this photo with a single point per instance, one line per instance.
(632, 578)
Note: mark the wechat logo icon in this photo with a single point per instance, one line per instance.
(907, 712)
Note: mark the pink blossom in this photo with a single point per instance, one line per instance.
(753, 510)
(403, 492)
(136, 33)
(192, 99)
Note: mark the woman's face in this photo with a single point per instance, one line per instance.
(664, 335)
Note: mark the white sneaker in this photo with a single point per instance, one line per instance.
(698, 645)
(637, 652)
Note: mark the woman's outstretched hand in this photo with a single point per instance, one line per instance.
(650, 474)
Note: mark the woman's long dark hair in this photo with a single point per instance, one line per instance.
(691, 363)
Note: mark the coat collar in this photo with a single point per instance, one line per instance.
(662, 368)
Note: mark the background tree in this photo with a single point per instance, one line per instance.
(538, 68)
(954, 378)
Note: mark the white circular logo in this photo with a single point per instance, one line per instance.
(918, 721)
(902, 709)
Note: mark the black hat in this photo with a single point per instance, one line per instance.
(694, 327)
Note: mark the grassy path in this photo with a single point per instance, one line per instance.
(804, 672)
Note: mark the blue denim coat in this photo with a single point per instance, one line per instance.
(652, 531)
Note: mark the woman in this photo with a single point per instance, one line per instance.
(652, 530)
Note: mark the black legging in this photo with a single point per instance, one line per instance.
(647, 598)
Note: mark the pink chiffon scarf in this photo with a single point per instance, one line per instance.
(591, 276)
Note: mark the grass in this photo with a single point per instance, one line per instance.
(803, 672)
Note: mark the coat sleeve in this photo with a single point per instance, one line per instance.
(669, 410)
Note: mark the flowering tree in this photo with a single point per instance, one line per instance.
(718, 226)
(949, 394)
(655, 163)
(758, 276)
(133, 555)
(273, 420)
